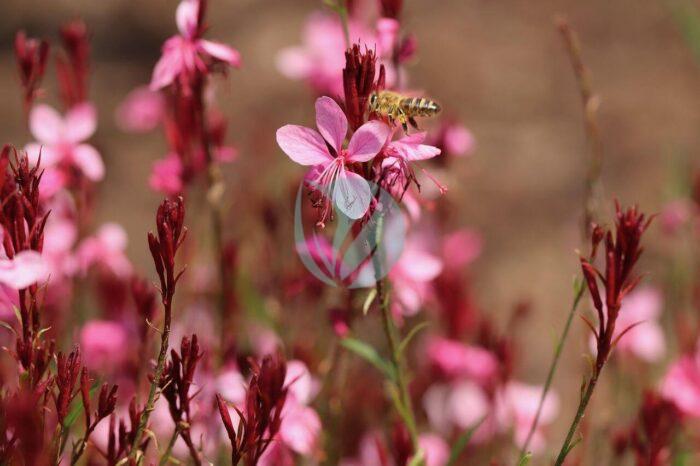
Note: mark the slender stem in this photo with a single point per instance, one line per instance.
(553, 367)
(585, 399)
(160, 364)
(168, 451)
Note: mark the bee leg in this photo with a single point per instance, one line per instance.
(413, 123)
(402, 118)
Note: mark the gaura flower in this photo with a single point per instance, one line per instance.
(412, 276)
(681, 384)
(187, 53)
(333, 175)
(166, 175)
(23, 270)
(142, 110)
(106, 248)
(60, 139)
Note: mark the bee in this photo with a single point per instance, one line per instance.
(398, 107)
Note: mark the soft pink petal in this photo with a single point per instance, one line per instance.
(103, 343)
(142, 110)
(294, 63)
(25, 269)
(299, 381)
(80, 122)
(681, 385)
(387, 35)
(455, 359)
(367, 141)
(331, 122)
(419, 265)
(646, 341)
(467, 404)
(168, 67)
(436, 450)
(221, 52)
(459, 140)
(303, 145)
(49, 154)
(46, 124)
(300, 428)
(52, 181)
(166, 175)
(351, 194)
(186, 17)
(89, 161)
(225, 154)
(461, 248)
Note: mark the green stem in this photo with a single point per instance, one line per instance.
(585, 399)
(553, 367)
(150, 404)
(168, 451)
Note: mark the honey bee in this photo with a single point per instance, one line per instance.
(398, 107)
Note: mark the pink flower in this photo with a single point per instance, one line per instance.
(300, 428)
(436, 450)
(349, 191)
(457, 360)
(106, 248)
(458, 140)
(103, 344)
(461, 248)
(517, 406)
(141, 111)
(461, 405)
(187, 53)
(24, 269)
(681, 384)
(277, 454)
(410, 148)
(675, 215)
(302, 385)
(166, 176)
(60, 139)
(411, 277)
(320, 59)
(641, 309)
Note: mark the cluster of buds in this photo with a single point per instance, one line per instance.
(73, 67)
(120, 437)
(67, 373)
(31, 55)
(652, 434)
(176, 383)
(359, 82)
(170, 235)
(261, 417)
(622, 251)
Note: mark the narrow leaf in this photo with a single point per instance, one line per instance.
(414, 331)
(369, 354)
(462, 442)
(369, 300)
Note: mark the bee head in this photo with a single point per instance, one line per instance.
(373, 101)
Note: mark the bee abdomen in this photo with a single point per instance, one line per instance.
(420, 106)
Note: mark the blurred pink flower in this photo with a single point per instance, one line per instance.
(320, 59)
(23, 270)
(301, 427)
(106, 248)
(457, 360)
(460, 405)
(52, 181)
(141, 111)
(517, 405)
(436, 450)
(387, 36)
(369, 452)
(277, 454)
(411, 277)
(350, 191)
(681, 384)
(103, 344)
(166, 175)
(59, 140)
(675, 215)
(303, 387)
(461, 248)
(9, 299)
(187, 53)
(641, 309)
(458, 140)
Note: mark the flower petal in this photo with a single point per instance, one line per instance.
(303, 145)
(331, 122)
(221, 52)
(168, 67)
(186, 17)
(46, 124)
(80, 122)
(89, 161)
(49, 155)
(351, 194)
(25, 269)
(367, 141)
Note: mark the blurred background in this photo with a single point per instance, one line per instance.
(496, 65)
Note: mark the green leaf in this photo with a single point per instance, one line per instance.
(525, 459)
(418, 459)
(76, 407)
(369, 354)
(369, 300)
(462, 442)
(414, 331)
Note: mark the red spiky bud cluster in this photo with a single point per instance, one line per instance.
(121, 437)
(73, 66)
(176, 383)
(262, 418)
(171, 233)
(67, 373)
(31, 55)
(622, 251)
(359, 82)
(651, 435)
(391, 8)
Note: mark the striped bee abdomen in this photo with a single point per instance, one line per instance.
(420, 106)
